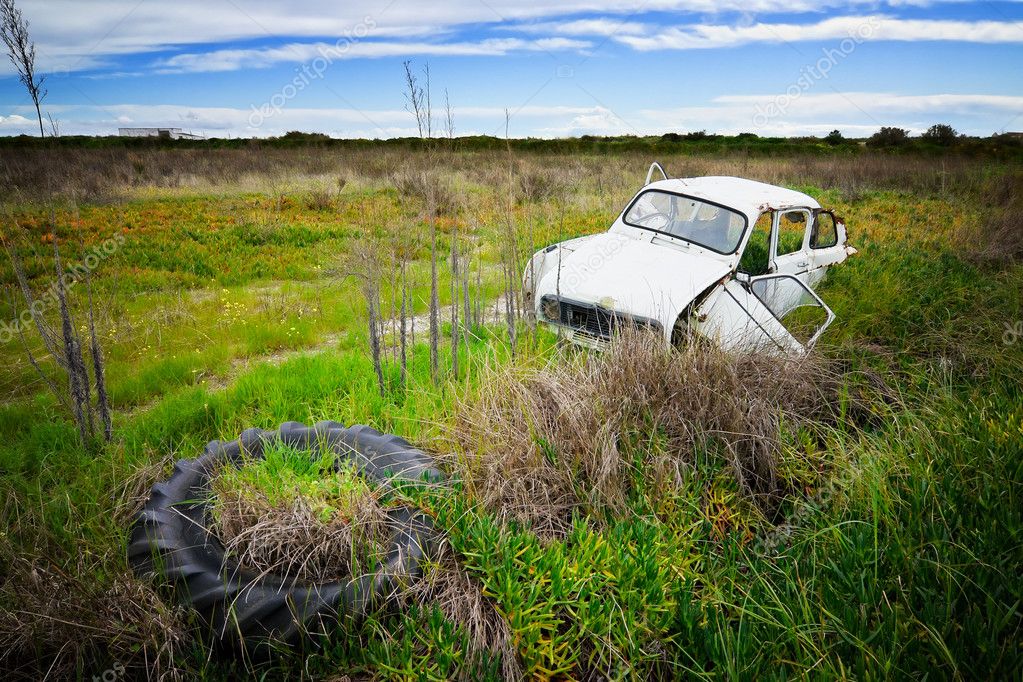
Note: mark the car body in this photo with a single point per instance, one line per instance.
(725, 259)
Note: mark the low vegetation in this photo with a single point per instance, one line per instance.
(643, 513)
(585, 433)
(298, 515)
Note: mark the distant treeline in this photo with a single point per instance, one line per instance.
(895, 140)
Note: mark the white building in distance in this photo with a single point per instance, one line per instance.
(168, 133)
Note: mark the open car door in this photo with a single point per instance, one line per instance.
(769, 312)
(795, 305)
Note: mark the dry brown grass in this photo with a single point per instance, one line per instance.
(998, 239)
(61, 620)
(294, 537)
(541, 183)
(432, 187)
(536, 443)
(55, 613)
(101, 174)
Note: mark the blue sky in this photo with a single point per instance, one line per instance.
(562, 67)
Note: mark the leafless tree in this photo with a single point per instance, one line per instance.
(415, 98)
(429, 105)
(371, 290)
(467, 322)
(98, 367)
(434, 298)
(510, 256)
(54, 125)
(77, 372)
(454, 300)
(403, 330)
(449, 117)
(478, 307)
(510, 290)
(22, 52)
(362, 263)
(65, 346)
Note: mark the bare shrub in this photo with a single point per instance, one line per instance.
(999, 236)
(536, 443)
(363, 263)
(541, 183)
(323, 197)
(434, 305)
(427, 186)
(320, 199)
(65, 344)
(455, 280)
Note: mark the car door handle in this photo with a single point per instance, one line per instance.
(802, 265)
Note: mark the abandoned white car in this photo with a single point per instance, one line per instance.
(729, 260)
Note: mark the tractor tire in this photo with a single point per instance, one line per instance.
(246, 612)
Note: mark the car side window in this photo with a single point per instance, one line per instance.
(756, 259)
(791, 229)
(825, 233)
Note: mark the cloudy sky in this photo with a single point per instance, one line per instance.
(560, 67)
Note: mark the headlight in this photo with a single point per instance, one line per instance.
(551, 309)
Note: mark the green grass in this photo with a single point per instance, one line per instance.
(285, 474)
(897, 555)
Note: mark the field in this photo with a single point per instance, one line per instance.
(233, 296)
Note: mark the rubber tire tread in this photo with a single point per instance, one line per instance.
(245, 611)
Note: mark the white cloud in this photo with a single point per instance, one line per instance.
(74, 35)
(810, 106)
(597, 120)
(582, 27)
(854, 113)
(864, 28)
(232, 60)
(15, 121)
(228, 121)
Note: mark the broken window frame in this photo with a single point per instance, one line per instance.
(750, 285)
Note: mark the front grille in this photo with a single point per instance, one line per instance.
(590, 319)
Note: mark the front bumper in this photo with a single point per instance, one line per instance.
(588, 324)
(576, 337)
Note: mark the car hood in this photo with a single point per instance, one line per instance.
(636, 276)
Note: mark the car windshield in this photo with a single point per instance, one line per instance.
(714, 227)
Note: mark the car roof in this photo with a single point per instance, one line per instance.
(748, 196)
